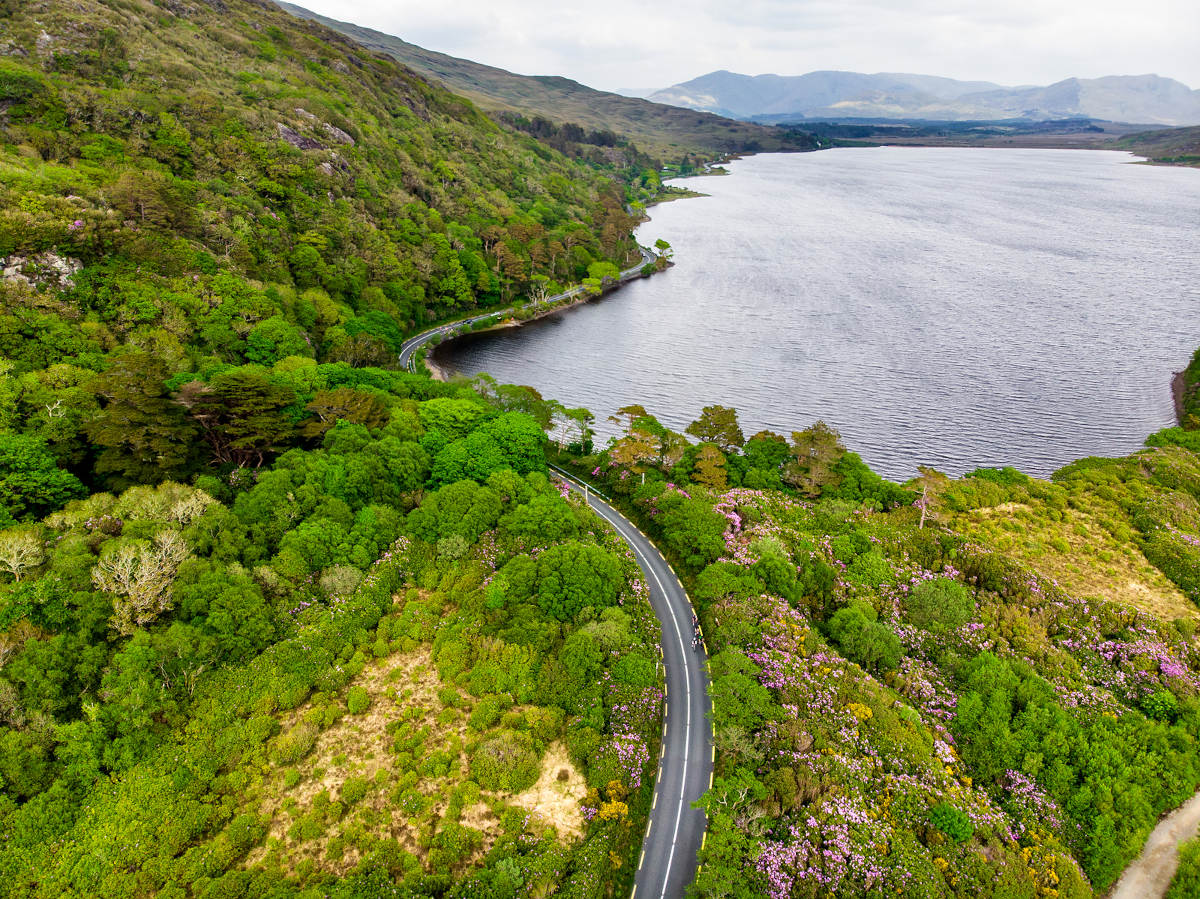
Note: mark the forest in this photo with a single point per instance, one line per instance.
(280, 619)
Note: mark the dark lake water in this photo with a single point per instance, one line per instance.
(948, 307)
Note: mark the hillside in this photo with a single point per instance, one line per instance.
(1146, 99)
(983, 686)
(664, 131)
(247, 640)
(1176, 146)
(279, 619)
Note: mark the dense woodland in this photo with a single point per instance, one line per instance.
(278, 619)
(238, 546)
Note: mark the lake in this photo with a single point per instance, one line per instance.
(946, 307)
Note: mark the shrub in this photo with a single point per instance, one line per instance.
(952, 822)
(1161, 705)
(358, 700)
(354, 789)
(1189, 440)
(1186, 884)
(506, 763)
(939, 605)
(1178, 559)
(863, 639)
(486, 713)
(295, 744)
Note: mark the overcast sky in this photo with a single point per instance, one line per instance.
(636, 44)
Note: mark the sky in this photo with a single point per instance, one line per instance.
(634, 44)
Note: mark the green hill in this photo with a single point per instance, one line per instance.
(248, 143)
(226, 668)
(1175, 146)
(667, 132)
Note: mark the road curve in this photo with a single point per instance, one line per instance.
(675, 830)
(409, 348)
(1149, 875)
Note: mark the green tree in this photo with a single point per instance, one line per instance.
(242, 415)
(227, 605)
(544, 519)
(574, 575)
(31, 484)
(719, 425)
(328, 407)
(274, 339)
(863, 639)
(710, 468)
(463, 508)
(451, 416)
(939, 605)
(144, 436)
(815, 452)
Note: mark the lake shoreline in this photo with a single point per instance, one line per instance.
(900, 283)
(441, 370)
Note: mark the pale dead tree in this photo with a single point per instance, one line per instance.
(55, 410)
(190, 507)
(140, 576)
(168, 501)
(932, 483)
(20, 550)
(538, 292)
(11, 713)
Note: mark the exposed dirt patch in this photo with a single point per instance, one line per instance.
(557, 796)
(391, 772)
(355, 747)
(1005, 508)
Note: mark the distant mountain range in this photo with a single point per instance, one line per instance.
(666, 132)
(1144, 99)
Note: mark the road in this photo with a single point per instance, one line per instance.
(409, 348)
(675, 830)
(1149, 875)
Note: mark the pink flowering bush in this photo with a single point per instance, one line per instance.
(950, 772)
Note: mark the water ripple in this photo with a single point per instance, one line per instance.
(938, 306)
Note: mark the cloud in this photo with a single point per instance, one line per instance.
(623, 43)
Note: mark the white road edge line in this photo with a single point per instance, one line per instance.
(687, 729)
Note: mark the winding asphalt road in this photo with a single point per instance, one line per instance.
(409, 348)
(675, 830)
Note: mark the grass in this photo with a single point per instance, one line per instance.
(1085, 549)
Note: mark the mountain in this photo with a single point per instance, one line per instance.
(1145, 99)
(663, 130)
(744, 96)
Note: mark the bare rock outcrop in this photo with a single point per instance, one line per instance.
(338, 134)
(299, 141)
(41, 269)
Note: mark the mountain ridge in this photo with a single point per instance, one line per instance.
(662, 130)
(1145, 99)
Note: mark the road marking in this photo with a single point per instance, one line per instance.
(599, 508)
